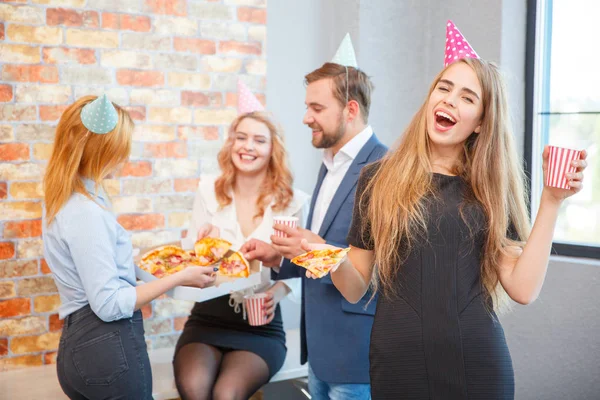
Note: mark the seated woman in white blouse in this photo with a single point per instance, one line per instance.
(219, 355)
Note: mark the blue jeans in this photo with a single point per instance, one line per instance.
(320, 390)
(103, 360)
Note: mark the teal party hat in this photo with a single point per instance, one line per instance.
(100, 116)
(345, 53)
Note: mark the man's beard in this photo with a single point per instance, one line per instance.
(329, 139)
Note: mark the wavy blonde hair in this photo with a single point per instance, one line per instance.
(276, 187)
(78, 153)
(402, 185)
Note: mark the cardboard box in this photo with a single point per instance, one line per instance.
(222, 285)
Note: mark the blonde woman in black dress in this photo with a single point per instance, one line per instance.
(443, 217)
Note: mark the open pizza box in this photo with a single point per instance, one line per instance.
(223, 285)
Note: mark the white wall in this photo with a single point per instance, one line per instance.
(555, 343)
(399, 44)
(301, 36)
(290, 54)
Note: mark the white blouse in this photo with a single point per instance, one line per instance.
(207, 210)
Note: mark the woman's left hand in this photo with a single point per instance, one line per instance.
(575, 178)
(274, 295)
(270, 306)
(316, 246)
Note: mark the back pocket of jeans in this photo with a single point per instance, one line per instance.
(101, 360)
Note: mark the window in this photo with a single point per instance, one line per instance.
(563, 109)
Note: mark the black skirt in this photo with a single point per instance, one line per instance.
(215, 323)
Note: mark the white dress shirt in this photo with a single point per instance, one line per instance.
(337, 166)
(207, 210)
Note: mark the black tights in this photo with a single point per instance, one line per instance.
(205, 372)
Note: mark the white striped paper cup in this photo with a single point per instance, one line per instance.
(254, 308)
(292, 222)
(559, 163)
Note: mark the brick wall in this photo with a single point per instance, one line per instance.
(174, 65)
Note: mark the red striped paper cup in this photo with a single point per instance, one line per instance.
(254, 308)
(292, 222)
(559, 163)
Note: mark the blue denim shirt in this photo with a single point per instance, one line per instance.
(91, 258)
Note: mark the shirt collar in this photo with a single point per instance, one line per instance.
(95, 190)
(350, 149)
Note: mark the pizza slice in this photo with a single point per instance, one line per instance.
(165, 260)
(234, 266)
(210, 250)
(320, 262)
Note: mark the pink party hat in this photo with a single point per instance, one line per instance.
(456, 45)
(247, 102)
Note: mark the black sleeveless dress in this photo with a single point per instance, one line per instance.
(436, 339)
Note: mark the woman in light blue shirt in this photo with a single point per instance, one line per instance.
(102, 351)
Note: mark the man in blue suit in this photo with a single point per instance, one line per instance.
(335, 333)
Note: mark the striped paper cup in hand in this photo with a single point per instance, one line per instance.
(292, 222)
(254, 304)
(559, 163)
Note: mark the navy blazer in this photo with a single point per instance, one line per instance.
(335, 333)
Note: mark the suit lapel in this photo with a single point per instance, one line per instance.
(313, 200)
(348, 183)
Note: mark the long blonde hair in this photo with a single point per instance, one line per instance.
(402, 185)
(78, 153)
(277, 186)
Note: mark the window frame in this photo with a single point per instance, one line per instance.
(537, 79)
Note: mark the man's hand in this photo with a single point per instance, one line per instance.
(255, 249)
(290, 247)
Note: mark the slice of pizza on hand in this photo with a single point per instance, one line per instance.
(234, 266)
(162, 260)
(182, 266)
(320, 262)
(209, 250)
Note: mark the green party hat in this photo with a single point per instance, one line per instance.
(100, 116)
